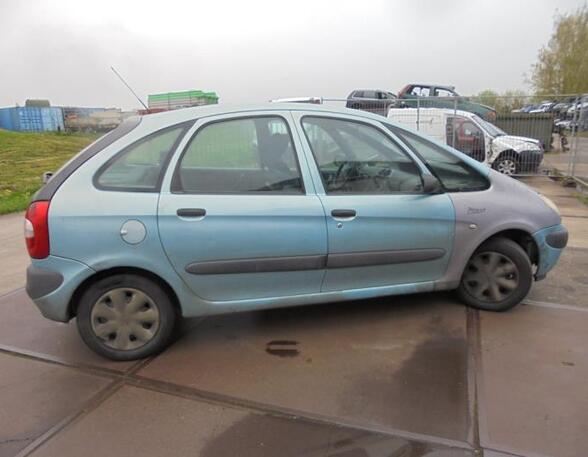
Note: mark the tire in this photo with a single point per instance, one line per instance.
(126, 317)
(497, 277)
(507, 164)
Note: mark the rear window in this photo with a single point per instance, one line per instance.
(140, 166)
(455, 174)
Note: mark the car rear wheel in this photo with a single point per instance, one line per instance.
(497, 277)
(126, 317)
(507, 165)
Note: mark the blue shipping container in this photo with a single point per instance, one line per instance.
(31, 119)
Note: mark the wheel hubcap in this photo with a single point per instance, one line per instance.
(491, 277)
(507, 167)
(125, 318)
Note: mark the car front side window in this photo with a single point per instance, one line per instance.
(455, 174)
(357, 158)
(240, 156)
(444, 93)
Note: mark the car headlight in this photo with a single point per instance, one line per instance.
(550, 203)
(533, 147)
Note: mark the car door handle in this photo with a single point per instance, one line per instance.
(343, 213)
(191, 212)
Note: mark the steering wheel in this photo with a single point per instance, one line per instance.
(344, 172)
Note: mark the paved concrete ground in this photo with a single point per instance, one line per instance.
(402, 376)
(574, 213)
(12, 252)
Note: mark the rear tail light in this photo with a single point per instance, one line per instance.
(36, 229)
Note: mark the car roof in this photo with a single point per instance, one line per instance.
(186, 114)
(439, 86)
(315, 100)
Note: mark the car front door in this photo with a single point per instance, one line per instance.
(382, 103)
(468, 138)
(240, 218)
(382, 229)
(446, 98)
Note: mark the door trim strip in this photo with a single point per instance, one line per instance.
(372, 258)
(313, 262)
(258, 265)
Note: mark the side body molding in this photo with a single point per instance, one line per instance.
(316, 262)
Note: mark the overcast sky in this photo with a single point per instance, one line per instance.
(251, 51)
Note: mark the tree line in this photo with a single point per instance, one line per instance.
(561, 68)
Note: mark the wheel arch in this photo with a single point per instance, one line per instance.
(520, 236)
(74, 301)
(507, 153)
(523, 238)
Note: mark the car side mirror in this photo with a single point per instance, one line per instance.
(431, 185)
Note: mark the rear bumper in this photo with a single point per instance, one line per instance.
(51, 283)
(551, 241)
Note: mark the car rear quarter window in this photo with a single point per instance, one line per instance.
(48, 190)
(455, 174)
(140, 166)
(240, 156)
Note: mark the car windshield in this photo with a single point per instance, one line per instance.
(490, 128)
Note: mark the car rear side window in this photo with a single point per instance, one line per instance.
(140, 166)
(455, 174)
(240, 156)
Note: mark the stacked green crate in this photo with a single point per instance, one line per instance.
(175, 100)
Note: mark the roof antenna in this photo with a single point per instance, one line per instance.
(129, 87)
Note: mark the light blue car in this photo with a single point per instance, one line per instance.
(216, 209)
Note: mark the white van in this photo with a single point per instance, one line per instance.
(473, 136)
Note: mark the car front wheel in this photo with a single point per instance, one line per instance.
(497, 277)
(126, 317)
(507, 165)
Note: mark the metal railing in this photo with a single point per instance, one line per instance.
(515, 135)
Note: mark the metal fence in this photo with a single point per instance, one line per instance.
(515, 135)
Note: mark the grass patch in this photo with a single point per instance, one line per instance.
(24, 157)
(582, 198)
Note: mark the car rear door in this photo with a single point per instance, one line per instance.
(238, 215)
(382, 229)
